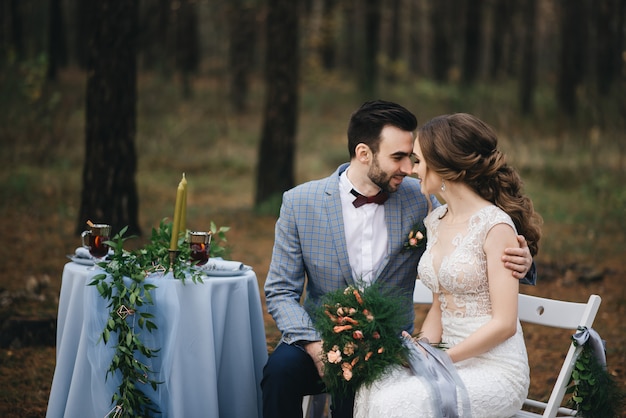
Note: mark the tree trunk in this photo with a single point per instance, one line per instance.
(154, 45)
(573, 47)
(369, 72)
(472, 50)
(243, 30)
(441, 54)
(187, 45)
(327, 47)
(501, 32)
(57, 51)
(528, 77)
(607, 46)
(84, 12)
(275, 170)
(419, 38)
(109, 192)
(349, 34)
(395, 42)
(17, 34)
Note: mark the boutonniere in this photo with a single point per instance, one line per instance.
(416, 237)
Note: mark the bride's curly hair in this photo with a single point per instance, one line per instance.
(462, 148)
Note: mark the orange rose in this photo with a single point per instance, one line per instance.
(348, 349)
(334, 355)
(347, 371)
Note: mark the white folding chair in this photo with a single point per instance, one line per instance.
(314, 406)
(550, 313)
(306, 405)
(422, 294)
(557, 314)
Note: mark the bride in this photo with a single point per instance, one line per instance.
(474, 313)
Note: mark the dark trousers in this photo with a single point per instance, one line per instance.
(289, 375)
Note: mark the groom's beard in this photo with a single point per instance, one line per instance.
(382, 178)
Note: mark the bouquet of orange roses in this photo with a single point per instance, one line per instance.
(361, 336)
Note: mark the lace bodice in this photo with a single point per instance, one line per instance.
(455, 266)
(454, 263)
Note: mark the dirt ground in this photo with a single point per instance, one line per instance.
(28, 305)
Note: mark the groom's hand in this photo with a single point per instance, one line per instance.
(518, 260)
(314, 349)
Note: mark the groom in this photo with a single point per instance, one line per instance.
(333, 232)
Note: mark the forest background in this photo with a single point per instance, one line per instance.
(111, 103)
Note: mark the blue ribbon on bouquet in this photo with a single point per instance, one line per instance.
(436, 370)
(589, 336)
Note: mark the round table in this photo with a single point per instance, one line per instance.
(212, 344)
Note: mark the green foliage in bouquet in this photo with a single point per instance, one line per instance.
(123, 285)
(360, 330)
(595, 393)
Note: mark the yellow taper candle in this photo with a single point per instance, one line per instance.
(182, 225)
(177, 212)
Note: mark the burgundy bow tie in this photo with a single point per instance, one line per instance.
(361, 200)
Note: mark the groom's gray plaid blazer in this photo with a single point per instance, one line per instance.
(310, 243)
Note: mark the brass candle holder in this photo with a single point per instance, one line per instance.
(173, 256)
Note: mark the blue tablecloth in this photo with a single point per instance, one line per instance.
(212, 341)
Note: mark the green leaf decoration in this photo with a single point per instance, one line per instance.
(112, 286)
(595, 393)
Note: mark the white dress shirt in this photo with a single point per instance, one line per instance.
(366, 233)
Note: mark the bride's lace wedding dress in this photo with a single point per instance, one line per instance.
(454, 265)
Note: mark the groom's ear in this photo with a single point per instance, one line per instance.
(363, 153)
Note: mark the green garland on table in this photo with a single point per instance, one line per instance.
(127, 300)
(360, 330)
(595, 393)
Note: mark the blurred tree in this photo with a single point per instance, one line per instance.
(349, 31)
(242, 18)
(155, 45)
(527, 73)
(17, 36)
(57, 51)
(420, 33)
(187, 46)
(6, 46)
(327, 49)
(609, 21)
(395, 44)
(275, 169)
(109, 192)
(501, 27)
(368, 74)
(472, 39)
(441, 48)
(572, 63)
(83, 18)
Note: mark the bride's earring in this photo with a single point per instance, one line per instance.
(443, 186)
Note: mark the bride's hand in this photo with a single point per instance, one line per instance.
(415, 341)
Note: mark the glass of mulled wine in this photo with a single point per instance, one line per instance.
(199, 244)
(94, 240)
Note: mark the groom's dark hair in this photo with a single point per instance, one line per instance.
(368, 121)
